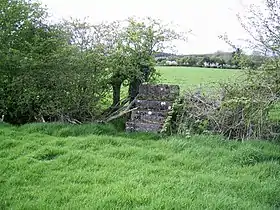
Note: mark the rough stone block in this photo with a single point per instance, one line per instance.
(148, 116)
(153, 105)
(143, 127)
(159, 92)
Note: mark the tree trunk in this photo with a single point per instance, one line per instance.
(116, 94)
(134, 89)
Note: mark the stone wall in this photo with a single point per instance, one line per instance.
(153, 104)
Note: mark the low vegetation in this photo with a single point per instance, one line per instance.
(248, 108)
(58, 166)
(235, 111)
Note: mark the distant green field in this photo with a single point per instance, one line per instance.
(188, 77)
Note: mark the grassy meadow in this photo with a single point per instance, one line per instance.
(59, 166)
(190, 77)
(56, 166)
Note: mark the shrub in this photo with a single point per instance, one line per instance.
(236, 111)
(43, 76)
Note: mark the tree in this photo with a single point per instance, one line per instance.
(58, 71)
(207, 60)
(200, 62)
(45, 74)
(25, 42)
(192, 61)
(133, 55)
(213, 61)
(146, 38)
(262, 24)
(261, 89)
(257, 59)
(181, 61)
(221, 62)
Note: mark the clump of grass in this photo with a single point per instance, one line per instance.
(48, 153)
(65, 130)
(249, 155)
(69, 130)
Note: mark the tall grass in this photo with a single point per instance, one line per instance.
(57, 166)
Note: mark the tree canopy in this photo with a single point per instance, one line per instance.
(68, 70)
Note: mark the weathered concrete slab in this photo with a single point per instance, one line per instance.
(143, 127)
(159, 92)
(149, 116)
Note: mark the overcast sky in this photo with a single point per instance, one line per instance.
(206, 18)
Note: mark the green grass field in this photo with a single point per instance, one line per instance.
(188, 77)
(192, 77)
(56, 166)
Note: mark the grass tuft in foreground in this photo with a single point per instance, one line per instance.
(57, 166)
